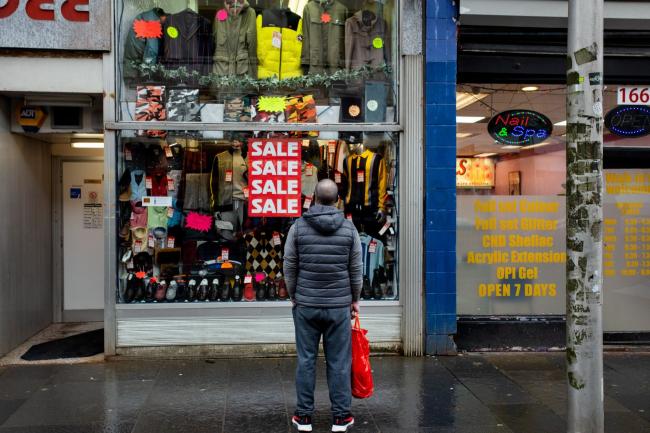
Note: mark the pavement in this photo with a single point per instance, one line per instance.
(470, 393)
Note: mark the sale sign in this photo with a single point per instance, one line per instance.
(274, 177)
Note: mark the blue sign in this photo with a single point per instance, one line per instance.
(629, 120)
(75, 193)
(520, 127)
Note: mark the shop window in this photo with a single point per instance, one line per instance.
(510, 175)
(199, 222)
(196, 221)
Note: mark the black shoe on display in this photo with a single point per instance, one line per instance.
(260, 290)
(150, 291)
(129, 291)
(377, 291)
(302, 423)
(366, 290)
(192, 290)
(237, 290)
(224, 294)
(213, 293)
(161, 291)
(181, 289)
(342, 424)
(202, 295)
(271, 293)
(139, 289)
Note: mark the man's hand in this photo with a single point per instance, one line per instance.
(354, 309)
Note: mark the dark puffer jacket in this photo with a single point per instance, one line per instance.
(322, 259)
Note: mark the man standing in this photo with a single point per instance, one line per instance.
(323, 273)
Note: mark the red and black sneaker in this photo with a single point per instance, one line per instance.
(302, 423)
(342, 424)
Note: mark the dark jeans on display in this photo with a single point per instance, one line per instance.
(335, 327)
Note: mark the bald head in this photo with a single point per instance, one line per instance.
(327, 193)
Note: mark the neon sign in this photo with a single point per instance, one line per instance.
(520, 127)
(629, 121)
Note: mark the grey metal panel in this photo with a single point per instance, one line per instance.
(110, 198)
(411, 211)
(411, 19)
(253, 126)
(71, 316)
(21, 31)
(25, 235)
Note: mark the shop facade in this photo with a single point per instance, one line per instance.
(225, 116)
(511, 222)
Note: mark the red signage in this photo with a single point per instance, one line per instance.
(43, 10)
(274, 177)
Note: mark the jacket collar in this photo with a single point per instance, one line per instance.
(187, 22)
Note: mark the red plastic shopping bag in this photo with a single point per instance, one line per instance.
(362, 386)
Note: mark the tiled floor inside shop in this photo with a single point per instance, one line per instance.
(520, 393)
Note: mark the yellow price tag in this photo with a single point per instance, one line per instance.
(172, 32)
(272, 104)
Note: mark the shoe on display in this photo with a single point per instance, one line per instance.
(181, 288)
(202, 294)
(237, 290)
(271, 293)
(213, 293)
(260, 290)
(281, 287)
(192, 290)
(131, 285)
(377, 291)
(249, 292)
(171, 291)
(366, 290)
(302, 423)
(152, 288)
(342, 424)
(224, 294)
(161, 291)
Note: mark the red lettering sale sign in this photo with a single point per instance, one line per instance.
(274, 178)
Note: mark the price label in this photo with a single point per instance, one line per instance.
(633, 96)
(276, 239)
(349, 217)
(309, 170)
(170, 241)
(170, 184)
(384, 228)
(361, 175)
(277, 40)
(168, 152)
(228, 175)
(150, 241)
(331, 146)
(307, 203)
(224, 254)
(305, 143)
(148, 183)
(372, 247)
(170, 212)
(248, 279)
(337, 177)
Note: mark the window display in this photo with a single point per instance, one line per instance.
(204, 212)
(187, 227)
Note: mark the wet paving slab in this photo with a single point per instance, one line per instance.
(470, 393)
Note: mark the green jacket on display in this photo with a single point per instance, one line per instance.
(141, 49)
(323, 29)
(235, 40)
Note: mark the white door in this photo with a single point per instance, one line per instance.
(83, 239)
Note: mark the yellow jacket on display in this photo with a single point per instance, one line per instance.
(278, 50)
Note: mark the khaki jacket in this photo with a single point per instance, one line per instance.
(235, 40)
(366, 44)
(323, 29)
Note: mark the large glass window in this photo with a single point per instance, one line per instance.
(204, 211)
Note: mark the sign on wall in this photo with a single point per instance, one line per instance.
(56, 24)
(31, 118)
(633, 96)
(274, 173)
(474, 172)
(520, 127)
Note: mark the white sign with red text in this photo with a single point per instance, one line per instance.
(633, 96)
(274, 172)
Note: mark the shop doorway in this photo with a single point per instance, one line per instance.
(81, 234)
